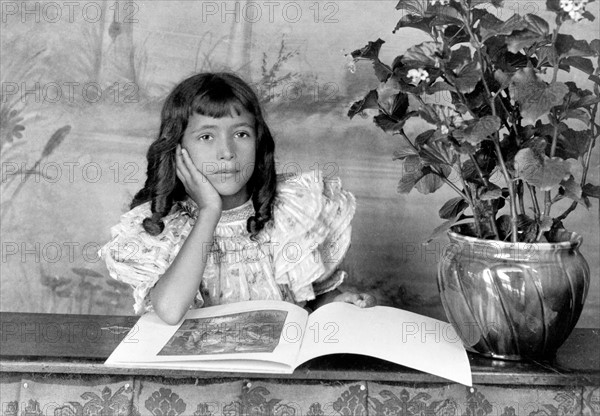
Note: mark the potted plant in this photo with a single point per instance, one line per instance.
(512, 142)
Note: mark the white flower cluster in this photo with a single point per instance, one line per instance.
(351, 66)
(442, 2)
(350, 62)
(448, 117)
(418, 75)
(575, 8)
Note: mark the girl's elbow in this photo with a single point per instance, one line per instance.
(169, 315)
(171, 320)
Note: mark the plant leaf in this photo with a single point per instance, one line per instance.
(522, 39)
(537, 24)
(478, 130)
(403, 153)
(440, 114)
(400, 105)
(455, 34)
(571, 144)
(414, 21)
(589, 15)
(571, 189)
(595, 79)
(437, 152)
(546, 56)
(417, 7)
(445, 226)
(542, 172)
(567, 45)
(583, 64)
(459, 58)
(370, 101)
(444, 15)
(553, 6)
(422, 54)
(534, 96)
(578, 114)
(439, 86)
(591, 190)
(453, 208)
(424, 137)
(370, 51)
(595, 45)
(468, 77)
(585, 101)
(496, 27)
(416, 174)
(432, 182)
(391, 125)
(411, 174)
(491, 194)
(382, 71)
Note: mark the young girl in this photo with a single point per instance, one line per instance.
(214, 224)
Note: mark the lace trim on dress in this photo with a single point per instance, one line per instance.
(241, 213)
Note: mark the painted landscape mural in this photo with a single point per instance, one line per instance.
(82, 88)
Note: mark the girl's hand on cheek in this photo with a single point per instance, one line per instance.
(196, 184)
(362, 300)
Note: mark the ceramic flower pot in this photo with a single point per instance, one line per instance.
(513, 301)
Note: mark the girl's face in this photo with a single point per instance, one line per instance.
(224, 150)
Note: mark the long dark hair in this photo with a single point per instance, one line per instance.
(212, 95)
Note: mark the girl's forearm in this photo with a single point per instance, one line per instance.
(177, 287)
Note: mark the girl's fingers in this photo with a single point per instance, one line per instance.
(182, 168)
(180, 176)
(367, 300)
(193, 172)
(362, 300)
(187, 160)
(348, 297)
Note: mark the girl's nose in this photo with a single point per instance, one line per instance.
(226, 150)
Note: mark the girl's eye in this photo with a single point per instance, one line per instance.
(204, 138)
(243, 134)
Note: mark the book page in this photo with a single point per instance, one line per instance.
(253, 331)
(391, 334)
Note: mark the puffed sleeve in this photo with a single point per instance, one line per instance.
(311, 233)
(137, 258)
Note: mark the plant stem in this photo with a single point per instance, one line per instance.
(536, 206)
(491, 102)
(479, 172)
(492, 218)
(511, 191)
(520, 197)
(586, 165)
(547, 195)
(476, 216)
(554, 36)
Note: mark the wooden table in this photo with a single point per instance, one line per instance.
(52, 365)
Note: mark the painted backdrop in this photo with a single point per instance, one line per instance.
(82, 87)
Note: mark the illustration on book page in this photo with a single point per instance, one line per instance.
(245, 332)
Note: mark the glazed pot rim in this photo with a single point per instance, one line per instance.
(572, 240)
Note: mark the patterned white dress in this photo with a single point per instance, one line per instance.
(295, 258)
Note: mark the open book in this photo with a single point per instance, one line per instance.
(277, 337)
